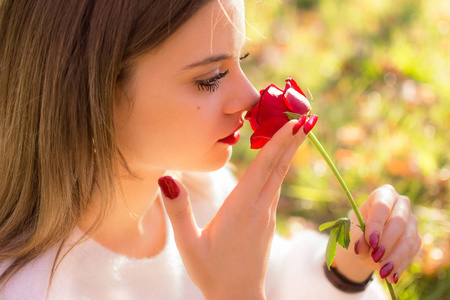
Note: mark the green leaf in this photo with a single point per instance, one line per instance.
(340, 234)
(331, 247)
(328, 225)
(332, 224)
(343, 237)
(293, 116)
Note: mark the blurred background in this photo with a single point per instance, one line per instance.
(379, 74)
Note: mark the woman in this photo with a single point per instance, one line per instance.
(103, 104)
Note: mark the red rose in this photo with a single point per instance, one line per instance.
(269, 114)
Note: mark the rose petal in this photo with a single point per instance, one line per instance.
(251, 116)
(257, 142)
(296, 101)
(266, 131)
(290, 83)
(272, 105)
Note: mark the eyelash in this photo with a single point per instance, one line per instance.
(245, 56)
(212, 84)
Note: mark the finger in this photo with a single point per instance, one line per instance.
(179, 210)
(357, 242)
(402, 253)
(273, 207)
(272, 186)
(381, 201)
(259, 171)
(397, 272)
(360, 246)
(396, 225)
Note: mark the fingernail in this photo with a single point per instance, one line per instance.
(309, 125)
(377, 254)
(168, 187)
(299, 124)
(386, 270)
(374, 239)
(395, 277)
(355, 247)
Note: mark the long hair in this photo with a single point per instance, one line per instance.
(61, 64)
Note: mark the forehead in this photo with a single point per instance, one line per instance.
(217, 28)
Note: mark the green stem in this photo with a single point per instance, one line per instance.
(322, 151)
(391, 289)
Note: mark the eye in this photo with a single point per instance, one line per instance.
(211, 84)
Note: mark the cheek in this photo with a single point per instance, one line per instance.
(176, 130)
(161, 132)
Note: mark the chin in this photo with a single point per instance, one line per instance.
(221, 162)
(210, 167)
(210, 164)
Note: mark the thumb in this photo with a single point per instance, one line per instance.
(179, 210)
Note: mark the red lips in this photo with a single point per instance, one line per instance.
(233, 138)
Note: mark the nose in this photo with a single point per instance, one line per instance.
(243, 95)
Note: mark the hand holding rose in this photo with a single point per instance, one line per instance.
(227, 259)
(390, 231)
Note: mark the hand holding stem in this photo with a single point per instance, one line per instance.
(383, 209)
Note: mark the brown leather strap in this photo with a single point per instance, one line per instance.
(344, 284)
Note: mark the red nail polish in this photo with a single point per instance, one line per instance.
(395, 277)
(299, 124)
(309, 125)
(374, 239)
(377, 254)
(386, 270)
(168, 187)
(355, 247)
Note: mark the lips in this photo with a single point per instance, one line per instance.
(233, 138)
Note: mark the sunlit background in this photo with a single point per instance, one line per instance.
(379, 74)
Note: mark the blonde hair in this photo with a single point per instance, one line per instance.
(61, 63)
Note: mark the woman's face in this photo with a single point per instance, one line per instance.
(187, 97)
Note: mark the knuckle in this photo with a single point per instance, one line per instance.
(406, 200)
(281, 169)
(271, 224)
(388, 187)
(386, 192)
(411, 240)
(414, 220)
(180, 215)
(265, 220)
(374, 224)
(267, 167)
(401, 222)
(380, 210)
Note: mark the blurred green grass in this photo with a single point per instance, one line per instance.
(379, 73)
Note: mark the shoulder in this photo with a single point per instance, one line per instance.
(30, 282)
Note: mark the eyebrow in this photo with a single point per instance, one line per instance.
(208, 60)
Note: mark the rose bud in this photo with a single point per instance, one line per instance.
(271, 113)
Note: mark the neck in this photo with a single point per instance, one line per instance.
(135, 225)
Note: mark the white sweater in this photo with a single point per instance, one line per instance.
(91, 271)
